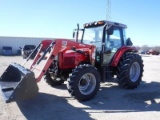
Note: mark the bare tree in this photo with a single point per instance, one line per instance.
(138, 47)
(145, 48)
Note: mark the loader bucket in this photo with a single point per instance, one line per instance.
(18, 83)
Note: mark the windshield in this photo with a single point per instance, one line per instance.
(93, 36)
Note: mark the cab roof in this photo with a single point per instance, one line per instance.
(104, 22)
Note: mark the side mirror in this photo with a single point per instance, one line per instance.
(110, 31)
(129, 42)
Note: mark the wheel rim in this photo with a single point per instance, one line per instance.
(87, 84)
(134, 72)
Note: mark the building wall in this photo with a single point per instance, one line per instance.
(16, 42)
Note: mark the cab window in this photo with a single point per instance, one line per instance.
(114, 41)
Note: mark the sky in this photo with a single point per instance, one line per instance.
(58, 18)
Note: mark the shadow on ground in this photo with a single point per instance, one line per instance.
(113, 99)
(49, 107)
(110, 99)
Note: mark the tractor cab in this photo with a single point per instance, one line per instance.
(107, 36)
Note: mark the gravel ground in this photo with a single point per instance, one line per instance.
(111, 102)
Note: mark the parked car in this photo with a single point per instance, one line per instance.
(142, 52)
(27, 50)
(152, 52)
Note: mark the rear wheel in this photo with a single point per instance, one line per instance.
(130, 70)
(53, 81)
(84, 82)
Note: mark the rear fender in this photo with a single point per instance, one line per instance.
(119, 54)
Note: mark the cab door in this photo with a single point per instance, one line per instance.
(113, 41)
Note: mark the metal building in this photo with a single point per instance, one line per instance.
(17, 42)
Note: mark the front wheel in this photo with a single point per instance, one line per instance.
(130, 70)
(84, 82)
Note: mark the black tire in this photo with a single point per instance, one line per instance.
(84, 82)
(53, 81)
(130, 70)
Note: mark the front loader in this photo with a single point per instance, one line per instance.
(102, 53)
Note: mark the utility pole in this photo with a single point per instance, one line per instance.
(108, 14)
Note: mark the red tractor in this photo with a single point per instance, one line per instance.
(101, 53)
